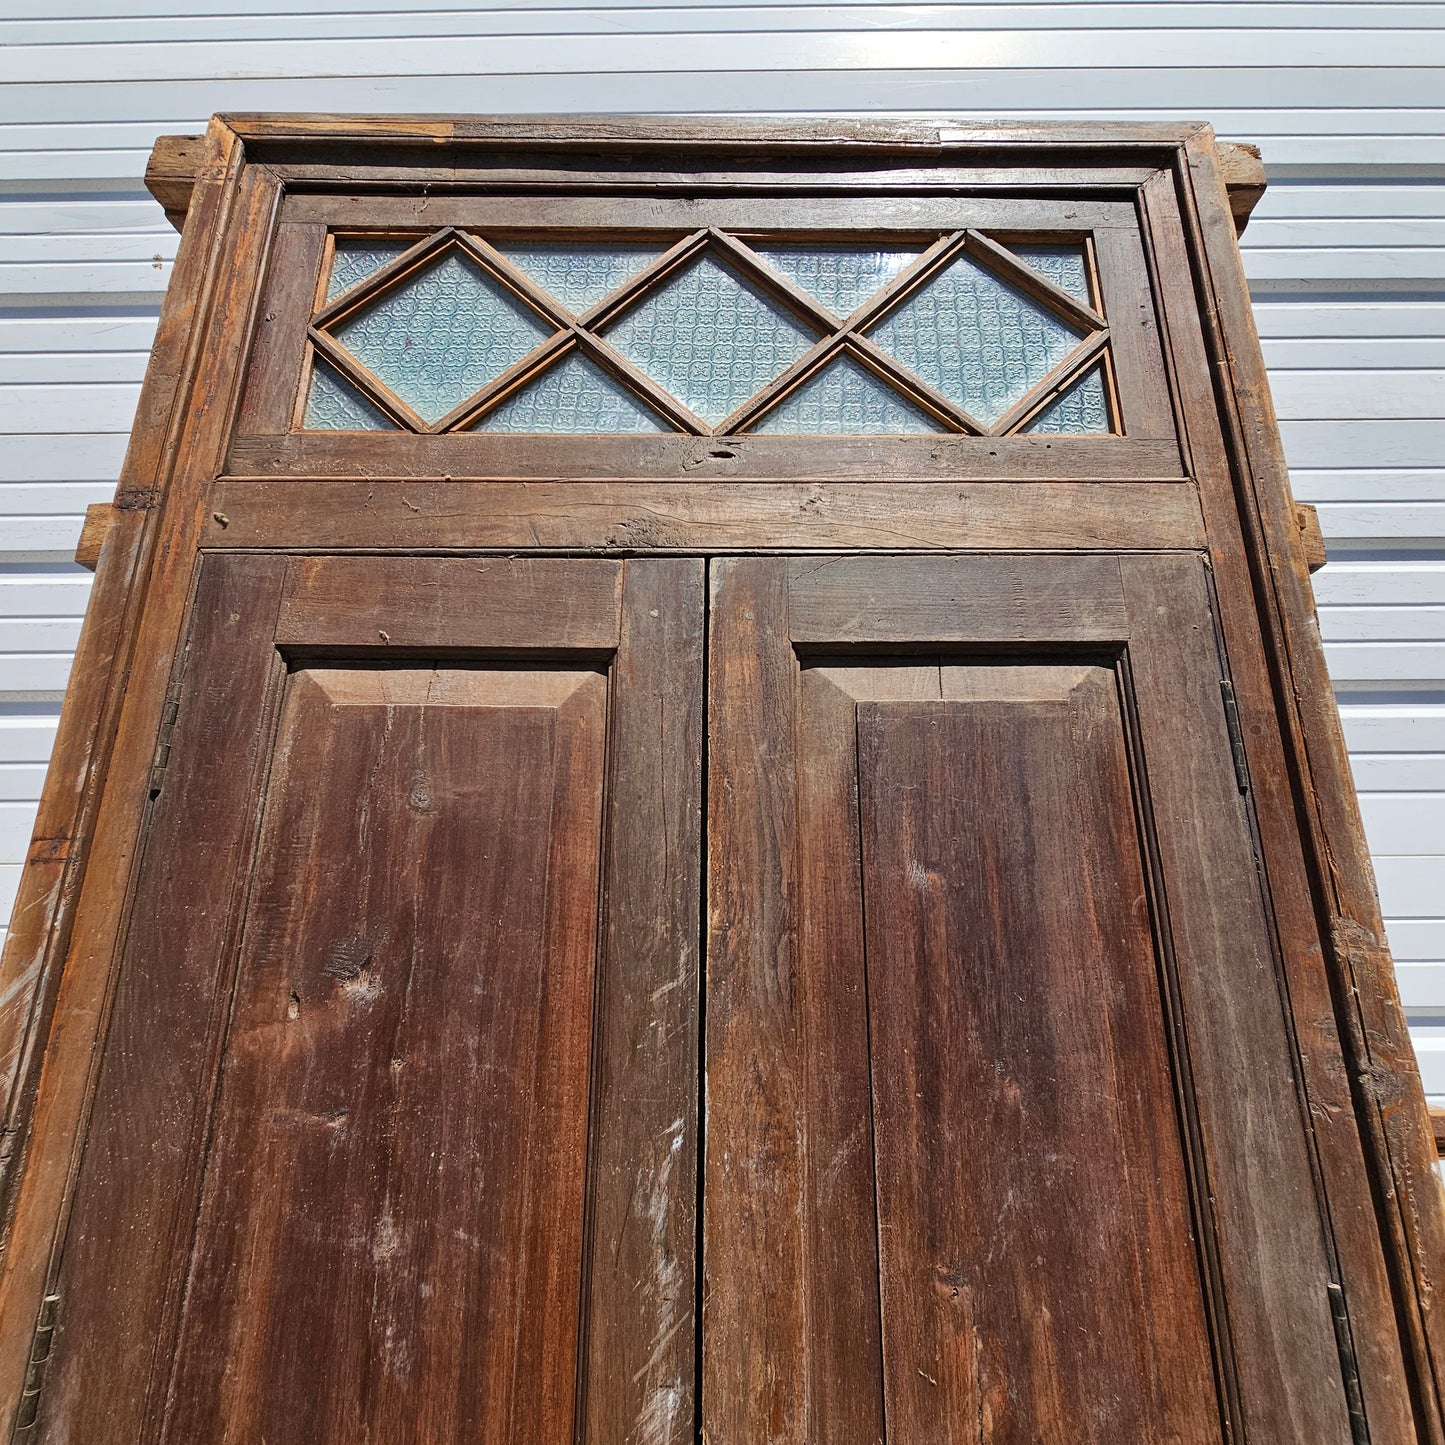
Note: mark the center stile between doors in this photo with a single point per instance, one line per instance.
(701, 803)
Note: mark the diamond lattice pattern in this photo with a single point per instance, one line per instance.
(979, 340)
(442, 334)
(711, 338)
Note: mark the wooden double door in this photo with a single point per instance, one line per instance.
(810, 999)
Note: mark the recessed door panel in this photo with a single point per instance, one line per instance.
(403, 1097)
(1032, 1197)
(987, 943)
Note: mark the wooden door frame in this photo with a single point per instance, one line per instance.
(1375, 1150)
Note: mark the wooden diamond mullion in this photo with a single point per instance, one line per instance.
(371, 386)
(756, 270)
(891, 369)
(818, 355)
(676, 255)
(373, 287)
(1003, 263)
(1052, 386)
(515, 280)
(655, 395)
(866, 355)
(465, 413)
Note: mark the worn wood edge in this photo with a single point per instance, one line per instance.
(92, 534)
(1241, 167)
(1395, 1130)
(171, 171)
(1312, 539)
(175, 159)
(1437, 1127)
(72, 803)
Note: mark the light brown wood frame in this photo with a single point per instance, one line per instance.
(1212, 478)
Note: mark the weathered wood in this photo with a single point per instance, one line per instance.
(703, 516)
(386, 456)
(135, 1199)
(95, 793)
(321, 1049)
(396, 604)
(98, 517)
(1311, 538)
(1241, 168)
(642, 1314)
(1201, 973)
(1286, 1128)
(171, 173)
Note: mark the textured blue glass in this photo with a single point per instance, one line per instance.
(710, 338)
(574, 396)
(977, 339)
(579, 276)
(356, 260)
(1081, 410)
(442, 334)
(1062, 263)
(846, 397)
(335, 405)
(841, 277)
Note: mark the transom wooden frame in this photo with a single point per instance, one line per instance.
(1119, 333)
(587, 332)
(213, 467)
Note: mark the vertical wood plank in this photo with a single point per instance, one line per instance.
(403, 1107)
(136, 1196)
(755, 1215)
(278, 353)
(642, 1280)
(1251, 1106)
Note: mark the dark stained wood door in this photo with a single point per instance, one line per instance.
(984, 1162)
(393, 1133)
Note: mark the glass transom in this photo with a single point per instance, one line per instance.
(841, 277)
(442, 334)
(710, 338)
(977, 339)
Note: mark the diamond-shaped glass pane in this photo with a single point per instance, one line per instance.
(580, 276)
(335, 405)
(846, 397)
(979, 340)
(1063, 264)
(574, 396)
(711, 338)
(354, 261)
(441, 334)
(841, 277)
(1081, 410)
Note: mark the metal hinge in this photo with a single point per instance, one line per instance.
(170, 711)
(1349, 1369)
(1236, 734)
(35, 1370)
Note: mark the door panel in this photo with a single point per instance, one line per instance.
(987, 944)
(410, 1074)
(403, 1099)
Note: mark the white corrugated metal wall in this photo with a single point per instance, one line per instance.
(1346, 257)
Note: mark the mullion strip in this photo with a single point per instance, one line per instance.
(1036, 403)
(888, 365)
(1004, 263)
(365, 381)
(610, 307)
(537, 359)
(1052, 386)
(895, 377)
(383, 280)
